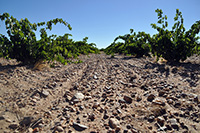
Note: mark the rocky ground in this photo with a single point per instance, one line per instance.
(102, 94)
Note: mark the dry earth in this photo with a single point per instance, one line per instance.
(102, 94)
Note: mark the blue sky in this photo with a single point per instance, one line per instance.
(100, 20)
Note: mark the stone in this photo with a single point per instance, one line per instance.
(114, 112)
(197, 99)
(138, 98)
(151, 97)
(34, 100)
(26, 121)
(158, 101)
(116, 65)
(45, 93)
(133, 95)
(151, 118)
(91, 116)
(174, 123)
(121, 101)
(105, 116)
(128, 126)
(161, 93)
(96, 105)
(36, 97)
(125, 131)
(128, 99)
(40, 125)
(8, 120)
(175, 126)
(30, 130)
(183, 95)
(88, 97)
(13, 125)
(95, 77)
(177, 104)
(168, 127)
(164, 128)
(2, 117)
(113, 122)
(161, 121)
(119, 111)
(76, 101)
(183, 126)
(144, 87)
(170, 101)
(79, 127)
(78, 96)
(59, 129)
(68, 98)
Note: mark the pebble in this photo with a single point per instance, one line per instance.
(36, 97)
(14, 125)
(26, 121)
(8, 120)
(177, 104)
(96, 105)
(161, 121)
(164, 128)
(119, 111)
(45, 93)
(59, 129)
(138, 98)
(95, 77)
(91, 116)
(161, 93)
(151, 118)
(113, 122)
(34, 100)
(121, 101)
(2, 117)
(128, 99)
(170, 101)
(68, 98)
(79, 127)
(144, 87)
(88, 97)
(158, 101)
(174, 123)
(128, 126)
(197, 99)
(151, 97)
(78, 96)
(30, 130)
(106, 116)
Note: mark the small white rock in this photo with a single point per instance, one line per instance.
(59, 129)
(114, 122)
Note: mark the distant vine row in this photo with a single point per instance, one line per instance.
(173, 45)
(23, 45)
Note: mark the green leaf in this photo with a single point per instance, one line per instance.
(69, 26)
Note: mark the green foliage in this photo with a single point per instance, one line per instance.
(173, 45)
(5, 46)
(23, 46)
(176, 44)
(133, 44)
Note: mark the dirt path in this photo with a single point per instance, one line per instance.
(102, 94)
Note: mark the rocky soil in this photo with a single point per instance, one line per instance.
(102, 94)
